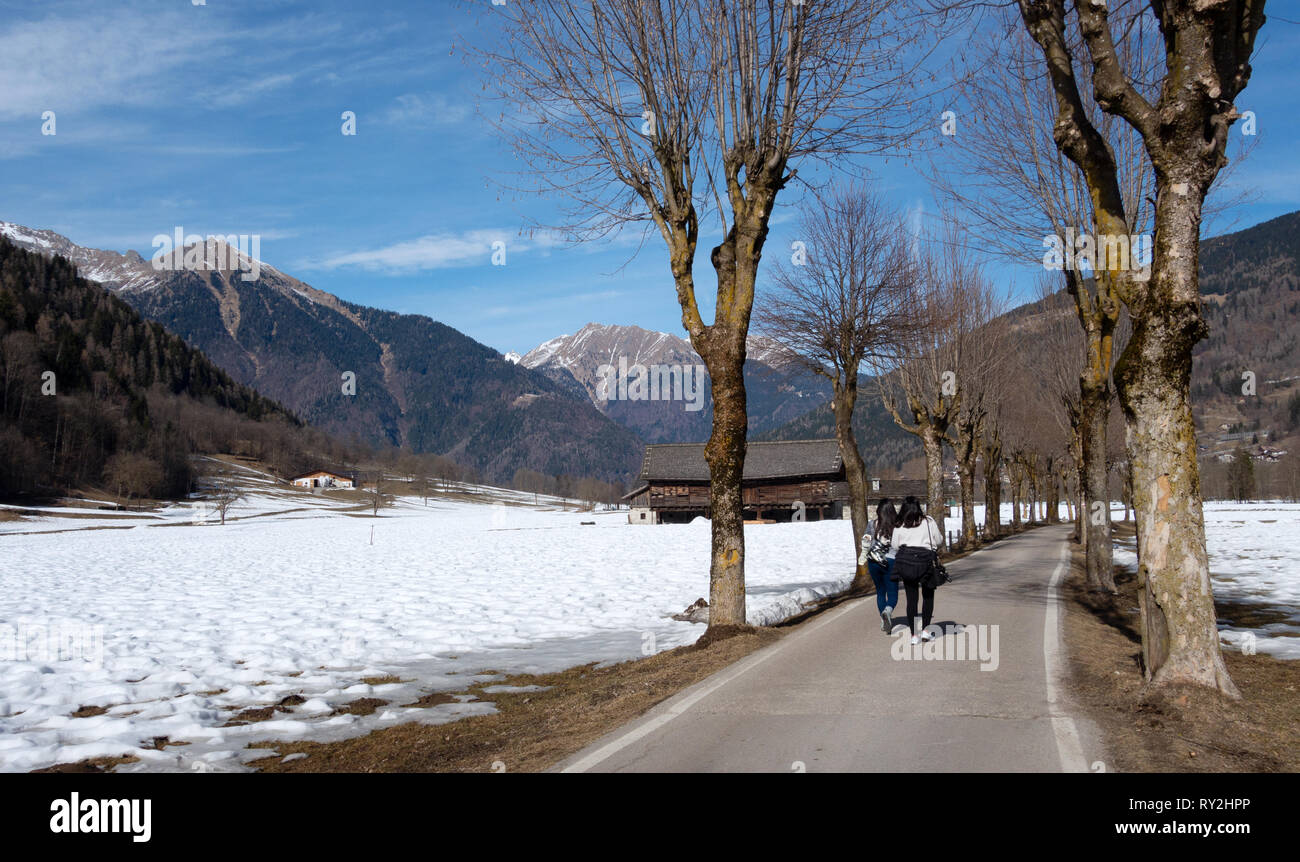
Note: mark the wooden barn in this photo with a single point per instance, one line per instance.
(673, 486)
(896, 490)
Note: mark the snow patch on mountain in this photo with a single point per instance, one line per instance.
(132, 272)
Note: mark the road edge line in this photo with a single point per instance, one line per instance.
(1069, 746)
(680, 703)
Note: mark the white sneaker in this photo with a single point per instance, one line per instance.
(915, 640)
(927, 636)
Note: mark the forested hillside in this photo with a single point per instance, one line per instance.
(1250, 281)
(89, 389)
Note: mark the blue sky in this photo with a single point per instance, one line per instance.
(226, 118)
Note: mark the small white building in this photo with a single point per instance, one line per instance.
(326, 479)
(641, 515)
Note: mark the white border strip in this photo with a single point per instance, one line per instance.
(1068, 744)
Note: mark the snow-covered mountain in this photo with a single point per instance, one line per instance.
(115, 271)
(778, 391)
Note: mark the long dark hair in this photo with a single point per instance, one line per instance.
(910, 513)
(886, 518)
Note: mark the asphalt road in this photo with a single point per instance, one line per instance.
(839, 695)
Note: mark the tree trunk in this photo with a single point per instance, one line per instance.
(1180, 642)
(1128, 493)
(1015, 498)
(1074, 488)
(1081, 510)
(967, 452)
(966, 475)
(992, 491)
(1032, 508)
(1094, 417)
(725, 453)
(855, 471)
(1053, 494)
(722, 346)
(932, 443)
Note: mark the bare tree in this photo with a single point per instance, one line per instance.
(225, 491)
(977, 348)
(133, 474)
(991, 454)
(924, 391)
(848, 302)
(1060, 356)
(376, 492)
(1015, 186)
(1241, 476)
(1183, 119)
(678, 112)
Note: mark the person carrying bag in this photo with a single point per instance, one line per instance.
(916, 564)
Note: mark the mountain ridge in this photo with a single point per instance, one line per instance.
(777, 391)
(384, 377)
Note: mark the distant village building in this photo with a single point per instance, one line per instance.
(327, 479)
(1243, 435)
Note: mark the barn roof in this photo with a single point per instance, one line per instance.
(684, 462)
(338, 474)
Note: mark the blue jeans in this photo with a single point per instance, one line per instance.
(886, 586)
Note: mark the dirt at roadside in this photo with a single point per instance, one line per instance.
(1184, 729)
(531, 730)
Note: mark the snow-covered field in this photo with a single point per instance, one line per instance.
(174, 626)
(1254, 566)
(952, 516)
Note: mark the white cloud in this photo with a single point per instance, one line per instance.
(247, 90)
(436, 251)
(82, 57)
(75, 62)
(425, 109)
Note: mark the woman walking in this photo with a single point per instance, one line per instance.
(920, 535)
(878, 555)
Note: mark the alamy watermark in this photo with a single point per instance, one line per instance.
(1103, 252)
(969, 643)
(230, 253)
(638, 382)
(51, 641)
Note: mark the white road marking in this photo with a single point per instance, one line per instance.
(1068, 744)
(681, 703)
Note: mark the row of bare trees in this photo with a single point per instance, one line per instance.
(946, 361)
(585, 490)
(678, 113)
(916, 312)
(1141, 102)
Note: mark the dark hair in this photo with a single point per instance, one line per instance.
(910, 513)
(886, 518)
